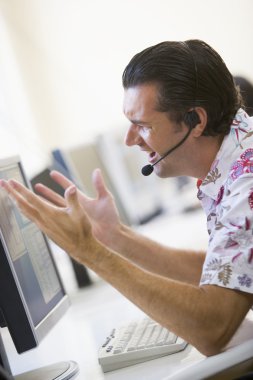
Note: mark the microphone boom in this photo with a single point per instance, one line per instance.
(148, 169)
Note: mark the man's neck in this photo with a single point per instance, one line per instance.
(204, 154)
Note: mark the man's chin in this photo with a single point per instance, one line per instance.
(162, 172)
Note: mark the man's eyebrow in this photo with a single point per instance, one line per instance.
(139, 122)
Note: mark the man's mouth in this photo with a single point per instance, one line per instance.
(152, 157)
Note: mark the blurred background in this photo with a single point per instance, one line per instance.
(61, 96)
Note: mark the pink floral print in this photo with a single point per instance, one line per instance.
(243, 165)
(226, 195)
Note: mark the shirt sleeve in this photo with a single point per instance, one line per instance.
(229, 259)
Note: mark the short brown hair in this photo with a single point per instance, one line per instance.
(188, 74)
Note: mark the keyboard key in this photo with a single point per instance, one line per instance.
(136, 342)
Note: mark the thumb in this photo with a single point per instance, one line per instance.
(71, 197)
(99, 183)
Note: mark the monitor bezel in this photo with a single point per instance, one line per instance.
(29, 336)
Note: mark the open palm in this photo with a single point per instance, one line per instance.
(101, 210)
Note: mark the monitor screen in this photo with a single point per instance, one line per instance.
(32, 296)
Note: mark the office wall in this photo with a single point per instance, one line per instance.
(61, 61)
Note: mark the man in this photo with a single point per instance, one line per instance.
(180, 99)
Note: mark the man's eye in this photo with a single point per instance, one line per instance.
(144, 129)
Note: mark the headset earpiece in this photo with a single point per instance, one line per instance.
(191, 119)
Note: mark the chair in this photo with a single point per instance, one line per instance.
(231, 364)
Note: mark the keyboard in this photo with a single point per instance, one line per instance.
(137, 342)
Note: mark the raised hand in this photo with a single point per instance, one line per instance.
(102, 212)
(67, 224)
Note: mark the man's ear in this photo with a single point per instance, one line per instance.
(200, 121)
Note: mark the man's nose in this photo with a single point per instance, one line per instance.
(132, 137)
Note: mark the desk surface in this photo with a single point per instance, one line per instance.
(79, 334)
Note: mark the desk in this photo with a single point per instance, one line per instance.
(79, 334)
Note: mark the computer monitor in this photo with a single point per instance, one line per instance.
(32, 296)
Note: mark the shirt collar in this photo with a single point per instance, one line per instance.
(233, 143)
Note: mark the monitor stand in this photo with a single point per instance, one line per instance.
(58, 371)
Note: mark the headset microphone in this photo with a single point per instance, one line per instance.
(148, 169)
(192, 119)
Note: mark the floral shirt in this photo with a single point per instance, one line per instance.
(226, 195)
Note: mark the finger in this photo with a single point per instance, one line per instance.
(71, 197)
(99, 184)
(50, 195)
(60, 179)
(24, 199)
(65, 183)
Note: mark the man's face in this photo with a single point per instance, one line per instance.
(151, 130)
